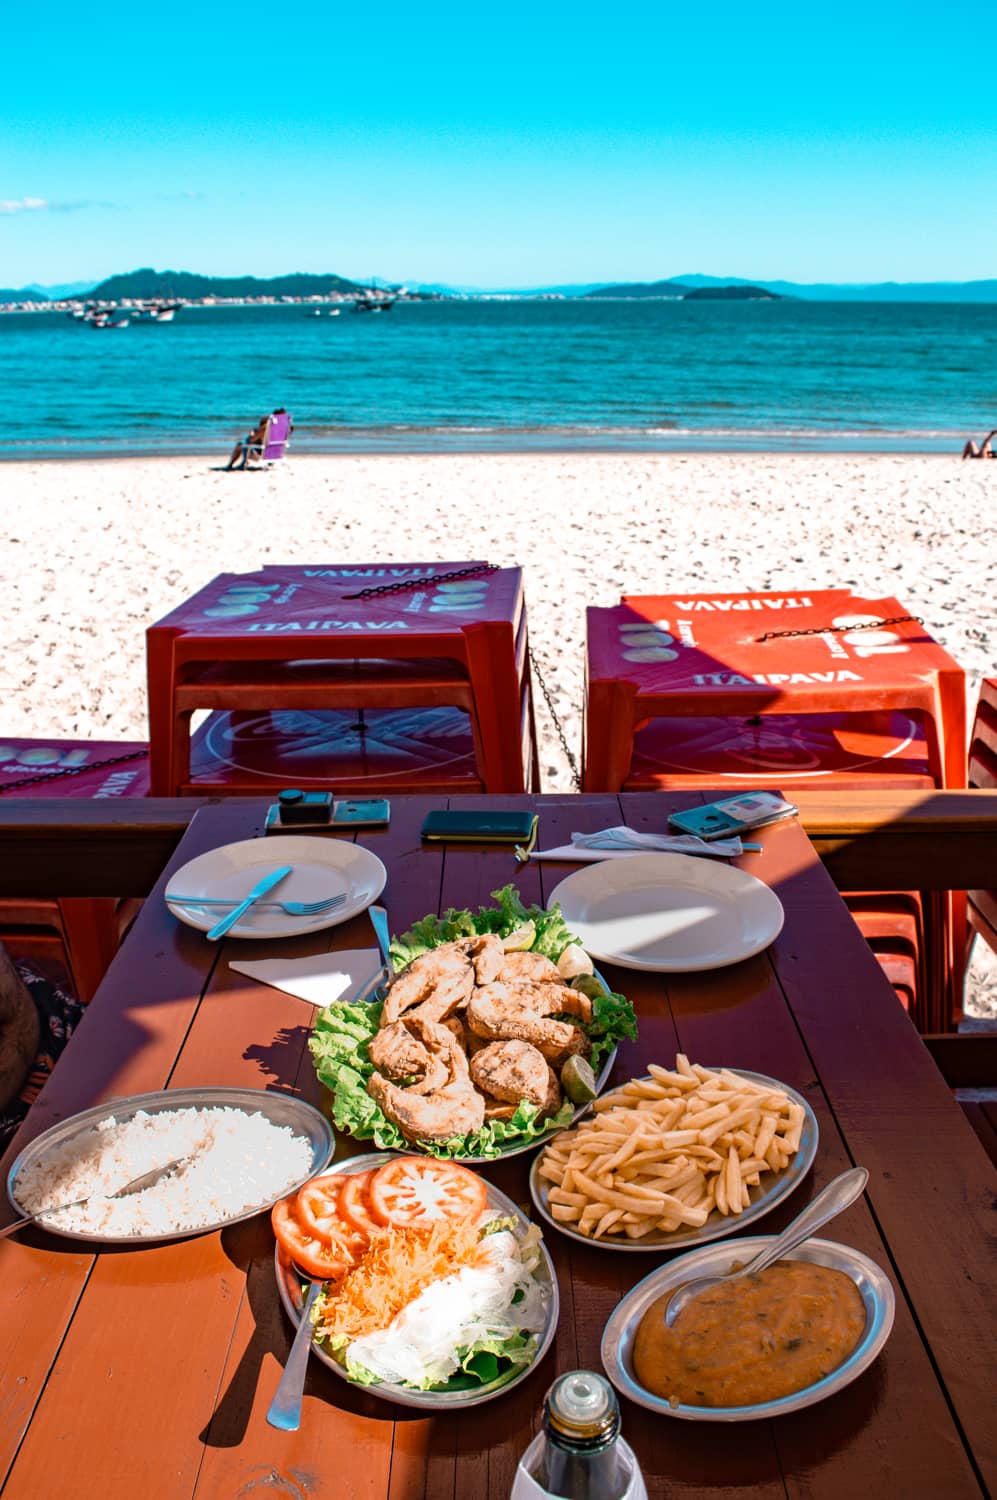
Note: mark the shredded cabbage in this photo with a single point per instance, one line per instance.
(494, 1307)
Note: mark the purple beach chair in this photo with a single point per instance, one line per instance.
(269, 447)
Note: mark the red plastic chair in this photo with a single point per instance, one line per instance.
(983, 773)
(82, 933)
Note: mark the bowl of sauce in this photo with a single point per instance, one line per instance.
(757, 1347)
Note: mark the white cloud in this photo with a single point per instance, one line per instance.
(21, 205)
(42, 205)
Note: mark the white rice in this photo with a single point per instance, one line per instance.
(239, 1162)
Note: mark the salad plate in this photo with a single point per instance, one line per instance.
(716, 1260)
(669, 913)
(292, 1287)
(773, 1188)
(321, 868)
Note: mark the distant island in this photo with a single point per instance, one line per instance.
(189, 287)
(732, 294)
(676, 291)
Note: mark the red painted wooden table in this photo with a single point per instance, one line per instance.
(256, 640)
(697, 656)
(147, 1373)
(87, 928)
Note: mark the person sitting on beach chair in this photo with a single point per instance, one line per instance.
(266, 442)
(985, 450)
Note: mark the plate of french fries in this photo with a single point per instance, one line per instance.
(676, 1158)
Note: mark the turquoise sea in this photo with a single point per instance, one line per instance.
(491, 375)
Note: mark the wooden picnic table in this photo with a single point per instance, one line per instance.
(148, 1372)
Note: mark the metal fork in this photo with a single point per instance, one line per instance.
(293, 908)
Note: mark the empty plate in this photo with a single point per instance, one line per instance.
(321, 867)
(669, 912)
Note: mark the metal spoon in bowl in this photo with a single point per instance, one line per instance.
(147, 1179)
(827, 1205)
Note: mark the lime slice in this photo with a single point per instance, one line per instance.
(578, 1081)
(588, 985)
(521, 939)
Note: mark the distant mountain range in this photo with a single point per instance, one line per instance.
(147, 283)
(186, 284)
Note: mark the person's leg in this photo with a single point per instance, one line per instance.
(971, 450)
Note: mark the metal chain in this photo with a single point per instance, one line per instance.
(569, 753)
(776, 635)
(421, 583)
(94, 765)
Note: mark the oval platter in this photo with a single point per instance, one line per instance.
(289, 1285)
(279, 1109)
(715, 1260)
(775, 1186)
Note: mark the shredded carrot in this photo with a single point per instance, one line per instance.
(399, 1264)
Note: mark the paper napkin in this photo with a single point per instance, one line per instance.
(616, 843)
(319, 979)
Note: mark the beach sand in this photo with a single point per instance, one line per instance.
(96, 550)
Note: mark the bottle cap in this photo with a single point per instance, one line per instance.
(583, 1408)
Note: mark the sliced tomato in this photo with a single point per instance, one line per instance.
(354, 1202)
(318, 1211)
(413, 1192)
(316, 1257)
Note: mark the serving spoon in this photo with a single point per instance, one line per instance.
(147, 1179)
(285, 1408)
(834, 1199)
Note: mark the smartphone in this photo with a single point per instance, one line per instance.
(296, 811)
(732, 815)
(481, 827)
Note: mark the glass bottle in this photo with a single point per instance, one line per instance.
(579, 1454)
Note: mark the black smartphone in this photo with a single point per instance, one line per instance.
(480, 827)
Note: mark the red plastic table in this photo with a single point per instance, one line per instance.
(87, 928)
(258, 640)
(693, 656)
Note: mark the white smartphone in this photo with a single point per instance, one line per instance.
(718, 820)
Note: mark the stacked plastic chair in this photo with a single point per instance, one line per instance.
(81, 934)
(820, 690)
(983, 773)
(362, 678)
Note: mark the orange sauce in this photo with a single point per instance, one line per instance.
(752, 1340)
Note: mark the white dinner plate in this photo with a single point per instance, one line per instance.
(321, 867)
(716, 1260)
(671, 913)
(771, 1190)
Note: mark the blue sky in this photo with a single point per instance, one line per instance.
(525, 145)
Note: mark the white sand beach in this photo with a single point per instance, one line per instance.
(96, 550)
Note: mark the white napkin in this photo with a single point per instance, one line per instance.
(613, 843)
(320, 979)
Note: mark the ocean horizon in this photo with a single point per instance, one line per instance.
(495, 375)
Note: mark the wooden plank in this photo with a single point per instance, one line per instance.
(897, 1118)
(60, 847)
(882, 840)
(966, 1060)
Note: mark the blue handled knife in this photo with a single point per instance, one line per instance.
(259, 889)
